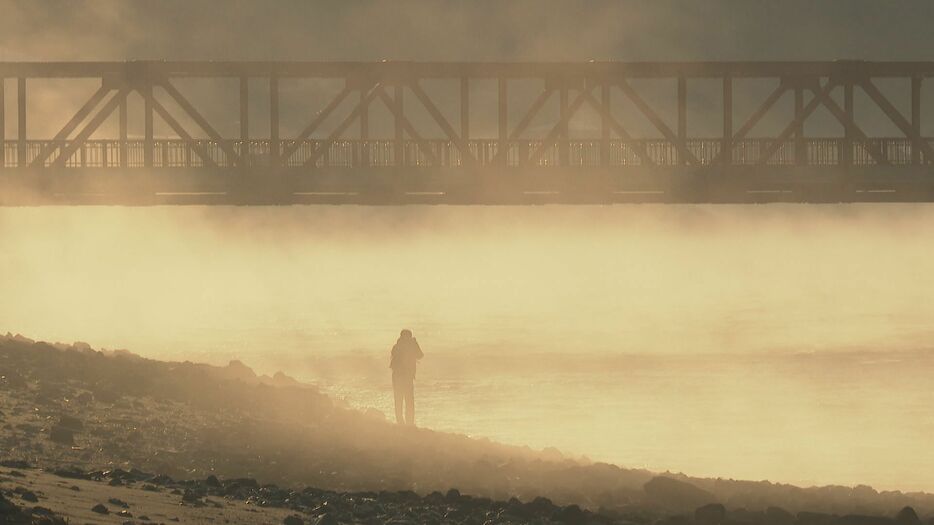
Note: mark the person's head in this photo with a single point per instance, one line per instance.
(405, 334)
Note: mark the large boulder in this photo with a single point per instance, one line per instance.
(859, 519)
(674, 494)
(778, 516)
(907, 516)
(61, 435)
(710, 514)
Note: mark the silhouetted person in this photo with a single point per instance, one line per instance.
(405, 353)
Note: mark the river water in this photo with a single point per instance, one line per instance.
(781, 342)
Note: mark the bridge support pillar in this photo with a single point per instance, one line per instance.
(847, 154)
(502, 145)
(605, 125)
(564, 135)
(916, 118)
(800, 146)
(244, 122)
(2, 123)
(364, 129)
(399, 153)
(122, 117)
(148, 146)
(465, 109)
(726, 153)
(274, 146)
(683, 115)
(21, 122)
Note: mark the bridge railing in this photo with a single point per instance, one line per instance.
(382, 153)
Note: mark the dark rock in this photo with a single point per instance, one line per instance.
(813, 518)
(41, 511)
(435, 498)
(907, 516)
(326, 519)
(15, 463)
(62, 435)
(100, 509)
(72, 473)
(541, 506)
(453, 495)
(118, 503)
(71, 423)
(710, 514)
(190, 496)
(125, 514)
(212, 481)
(8, 509)
(778, 516)
(571, 514)
(293, 520)
(674, 494)
(29, 496)
(859, 519)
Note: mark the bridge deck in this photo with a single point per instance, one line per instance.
(433, 151)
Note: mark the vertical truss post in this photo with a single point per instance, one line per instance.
(244, 121)
(848, 129)
(800, 146)
(683, 114)
(274, 146)
(364, 128)
(502, 145)
(563, 115)
(148, 149)
(916, 118)
(21, 121)
(605, 125)
(2, 124)
(122, 117)
(399, 150)
(244, 108)
(465, 108)
(726, 149)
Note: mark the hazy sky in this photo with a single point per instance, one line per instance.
(467, 30)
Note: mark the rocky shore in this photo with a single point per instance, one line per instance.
(72, 414)
(34, 496)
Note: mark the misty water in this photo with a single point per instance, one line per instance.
(781, 342)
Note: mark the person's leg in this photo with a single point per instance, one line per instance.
(398, 390)
(410, 403)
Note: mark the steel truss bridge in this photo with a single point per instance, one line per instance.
(440, 158)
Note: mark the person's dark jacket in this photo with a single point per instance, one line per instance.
(405, 353)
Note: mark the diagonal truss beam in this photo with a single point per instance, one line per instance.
(657, 121)
(536, 106)
(621, 131)
(91, 127)
(552, 137)
(757, 116)
(202, 122)
(798, 122)
(875, 151)
(340, 129)
(436, 114)
(897, 118)
(184, 135)
(316, 122)
(71, 125)
(409, 128)
(533, 110)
